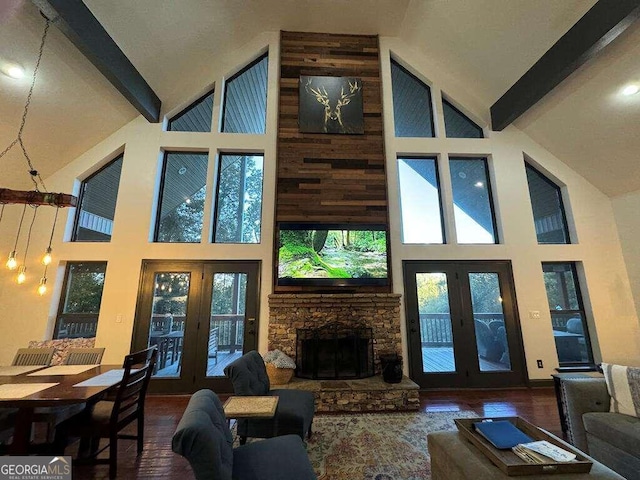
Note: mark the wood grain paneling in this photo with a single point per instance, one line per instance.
(330, 177)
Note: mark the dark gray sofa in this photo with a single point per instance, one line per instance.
(204, 438)
(611, 438)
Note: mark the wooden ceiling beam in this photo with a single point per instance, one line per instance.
(602, 24)
(84, 30)
(23, 197)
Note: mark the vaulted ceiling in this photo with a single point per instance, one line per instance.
(487, 44)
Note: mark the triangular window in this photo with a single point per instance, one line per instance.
(195, 118)
(412, 110)
(245, 99)
(457, 124)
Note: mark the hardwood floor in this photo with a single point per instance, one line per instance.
(163, 413)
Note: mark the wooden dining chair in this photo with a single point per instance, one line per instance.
(33, 356)
(84, 356)
(106, 419)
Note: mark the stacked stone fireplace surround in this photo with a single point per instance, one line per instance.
(378, 311)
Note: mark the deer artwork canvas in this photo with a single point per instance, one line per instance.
(331, 105)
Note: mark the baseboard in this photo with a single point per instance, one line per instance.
(538, 383)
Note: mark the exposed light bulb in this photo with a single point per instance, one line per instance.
(46, 260)
(12, 263)
(22, 276)
(630, 90)
(42, 288)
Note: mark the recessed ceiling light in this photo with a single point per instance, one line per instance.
(630, 90)
(479, 184)
(12, 70)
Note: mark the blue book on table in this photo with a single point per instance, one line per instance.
(502, 434)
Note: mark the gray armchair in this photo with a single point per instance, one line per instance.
(295, 407)
(203, 438)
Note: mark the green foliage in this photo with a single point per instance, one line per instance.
(84, 287)
(184, 224)
(290, 252)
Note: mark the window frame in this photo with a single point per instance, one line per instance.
(158, 205)
(393, 61)
(443, 229)
(581, 311)
(244, 69)
(494, 220)
(214, 226)
(193, 104)
(453, 107)
(83, 186)
(565, 222)
(60, 315)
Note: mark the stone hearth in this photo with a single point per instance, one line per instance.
(364, 395)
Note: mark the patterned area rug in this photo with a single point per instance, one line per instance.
(376, 446)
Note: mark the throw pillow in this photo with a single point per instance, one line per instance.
(623, 384)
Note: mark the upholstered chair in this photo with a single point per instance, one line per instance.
(295, 407)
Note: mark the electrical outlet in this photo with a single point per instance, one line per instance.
(534, 314)
(119, 318)
(540, 364)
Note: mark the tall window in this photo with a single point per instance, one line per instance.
(548, 210)
(97, 204)
(567, 313)
(412, 110)
(420, 200)
(182, 195)
(457, 124)
(81, 298)
(239, 199)
(195, 118)
(245, 99)
(472, 201)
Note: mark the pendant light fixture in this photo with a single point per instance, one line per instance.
(38, 196)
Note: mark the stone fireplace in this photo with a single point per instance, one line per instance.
(379, 312)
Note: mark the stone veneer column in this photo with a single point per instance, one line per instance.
(379, 311)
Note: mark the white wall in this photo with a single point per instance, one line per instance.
(25, 316)
(627, 213)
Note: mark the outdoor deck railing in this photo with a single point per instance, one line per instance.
(435, 328)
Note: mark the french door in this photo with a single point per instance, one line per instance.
(462, 324)
(201, 315)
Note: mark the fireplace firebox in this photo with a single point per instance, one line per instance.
(334, 351)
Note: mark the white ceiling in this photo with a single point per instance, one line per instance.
(488, 43)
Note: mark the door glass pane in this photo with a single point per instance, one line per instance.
(226, 327)
(168, 316)
(488, 319)
(436, 337)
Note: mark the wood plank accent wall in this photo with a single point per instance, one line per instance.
(330, 177)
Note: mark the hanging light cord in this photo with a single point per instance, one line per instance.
(26, 249)
(19, 227)
(55, 219)
(32, 171)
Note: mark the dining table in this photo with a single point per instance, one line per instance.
(57, 386)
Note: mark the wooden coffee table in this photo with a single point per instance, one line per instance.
(453, 457)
